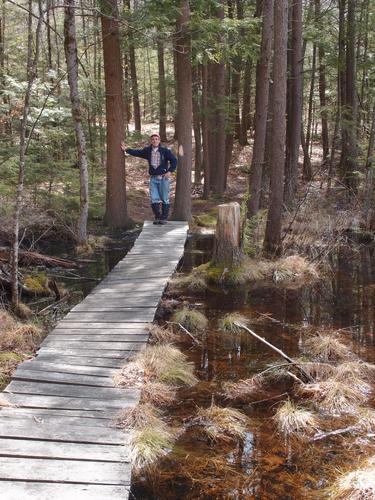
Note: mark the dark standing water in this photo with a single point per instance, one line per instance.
(265, 466)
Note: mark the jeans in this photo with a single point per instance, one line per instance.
(159, 190)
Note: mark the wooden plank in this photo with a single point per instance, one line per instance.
(62, 378)
(100, 305)
(99, 325)
(94, 361)
(115, 336)
(20, 490)
(72, 471)
(66, 403)
(62, 421)
(33, 448)
(52, 389)
(134, 315)
(65, 345)
(39, 365)
(96, 415)
(108, 353)
(59, 431)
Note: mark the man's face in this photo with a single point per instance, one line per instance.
(155, 141)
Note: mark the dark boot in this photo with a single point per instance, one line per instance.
(165, 213)
(156, 209)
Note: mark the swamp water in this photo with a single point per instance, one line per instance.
(266, 465)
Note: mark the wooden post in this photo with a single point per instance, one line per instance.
(228, 235)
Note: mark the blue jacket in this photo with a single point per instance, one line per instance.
(168, 162)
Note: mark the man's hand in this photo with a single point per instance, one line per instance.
(167, 175)
(123, 147)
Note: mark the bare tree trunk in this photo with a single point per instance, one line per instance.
(70, 45)
(162, 94)
(182, 206)
(205, 133)
(197, 127)
(32, 61)
(261, 109)
(116, 207)
(272, 241)
(246, 103)
(307, 173)
(295, 105)
(369, 212)
(134, 80)
(322, 88)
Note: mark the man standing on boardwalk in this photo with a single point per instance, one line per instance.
(161, 163)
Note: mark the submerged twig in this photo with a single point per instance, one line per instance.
(196, 341)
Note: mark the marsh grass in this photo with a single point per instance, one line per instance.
(149, 444)
(327, 348)
(358, 484)
(142, 415)
(294, 268)
(162, 334)
(293, 420)
(222, 424)
(243, 390)
(356, 371)
(191, 319)
(335, 397)
(228, 322)
(365, 419)
(193, 282)
(158, 394)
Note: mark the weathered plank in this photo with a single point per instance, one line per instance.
(32, 429)
(98, 336)
(136, 314)
(33, 448)
(72, 471)
(62, 378)
(65, 345)
(94, 361)
(107, 353)
(96, 415)
(52, 389)
(127, 327)
(69, 403)
(54, 491)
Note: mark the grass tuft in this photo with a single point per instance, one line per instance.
(293, 420)
(149, 444)
(192, 320)
(158, 394)
(358, 484)
(162, 334)
(142, 415)
(241, 390)
(24, 337)
(228, 323)
(327, 348)
(222, 424)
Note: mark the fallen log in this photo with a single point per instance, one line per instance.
(35, 258)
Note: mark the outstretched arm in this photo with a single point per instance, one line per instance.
(140, 153)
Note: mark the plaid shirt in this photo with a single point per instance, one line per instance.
(155, 158)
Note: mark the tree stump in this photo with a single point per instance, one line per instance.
(227, 249)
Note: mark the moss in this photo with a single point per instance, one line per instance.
(37, 284)
(10, 356)
(205, 220)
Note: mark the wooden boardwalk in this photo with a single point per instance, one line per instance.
(59, 441)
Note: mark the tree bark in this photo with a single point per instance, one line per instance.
(322, 88)
(227, 251)
(162, 94)
(272, 241)
(197, 127)
(261, 109)
(307, 172)
(70, 45)
(295, 105)
(134, 79)
(182, 206)
(116, 207)
(205, 133)
(246, 103)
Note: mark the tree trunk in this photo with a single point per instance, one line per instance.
(272, 241)
(369, 212)
(116, 207)
(70, 45)
(261, 109)
(162, 94)
(205, 133)
(322, 88)
(349, 112)
(218, 176)
(32, 61)
(307, 173)
(295, 105)
(133, 76)
(246, 103)
(182, 206)
(227, 251)
(197, 127)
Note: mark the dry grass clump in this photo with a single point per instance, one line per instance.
(335, 396)
(191, 319)
(23, 337)
(142, 415)
(222, 424)
(229, 322)
(294, 420)
(365, 419)
(162, 334)
(358, 484)
(6, 320)
(241, 390)
(160, 363)
(294, 269)
(149, 444)
(193, 282)
(356, 371)
(327, 348)
(158, 394)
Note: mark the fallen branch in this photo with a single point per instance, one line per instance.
(184, 330)
(305, 375)
(323, 435)
(54, 304)
(36, 258)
